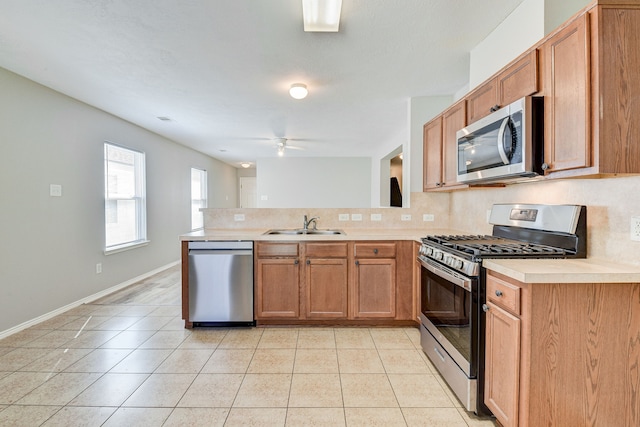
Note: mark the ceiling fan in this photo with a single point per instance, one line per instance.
(281, 144)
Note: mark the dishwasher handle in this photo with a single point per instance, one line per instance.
(220, 252)
(221, 245)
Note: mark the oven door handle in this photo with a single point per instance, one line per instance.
(445, 273)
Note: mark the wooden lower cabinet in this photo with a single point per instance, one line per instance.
(562, 354)
(326, 280)
(326, 289)
(502, 375)
(375, 288)
(343, 282)
(374, 280)
(278, 293)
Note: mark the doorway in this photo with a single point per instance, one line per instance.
(248, 193)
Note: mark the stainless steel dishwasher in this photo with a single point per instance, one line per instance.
(221, 283)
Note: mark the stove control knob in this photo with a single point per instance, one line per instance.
(439, 256)
(459, 264)
(428, 251)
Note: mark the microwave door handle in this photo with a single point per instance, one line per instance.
(503, 154)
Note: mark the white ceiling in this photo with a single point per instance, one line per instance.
(221, 69)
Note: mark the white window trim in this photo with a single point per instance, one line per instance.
(140, 204)
(204, 192)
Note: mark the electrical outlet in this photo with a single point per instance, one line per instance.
(238, 217)
(405, 217)
(264, 197)
(343, 217)
(99, 268)
(428, 217)
(376, 217)
(635, 228)
(356, 217)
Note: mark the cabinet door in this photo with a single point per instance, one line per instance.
(519, 79)
(277, 288)
(432, 162)
(502, 365)
(481, 100)
(453, 120)
(567, 135)
(375, 288)
(326, 288)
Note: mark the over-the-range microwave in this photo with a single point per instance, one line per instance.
(504, 146)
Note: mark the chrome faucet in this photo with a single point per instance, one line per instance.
(307, 223)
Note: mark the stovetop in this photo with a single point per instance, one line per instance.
(519, 231)
(485, 246)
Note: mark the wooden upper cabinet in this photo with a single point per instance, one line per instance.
(616, 107)
(518, 79)
(482, 100)
(432, 154)
(441, 148)
(454, 119)
(567, 98)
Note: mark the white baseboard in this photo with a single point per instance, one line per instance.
(90, 298)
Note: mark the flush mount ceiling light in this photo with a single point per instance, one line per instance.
(281, 144)
(321, 15)
(245, 165)
(298, 90)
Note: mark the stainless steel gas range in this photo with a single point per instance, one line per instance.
(453, 284)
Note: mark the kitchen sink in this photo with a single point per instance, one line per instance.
(300, 231)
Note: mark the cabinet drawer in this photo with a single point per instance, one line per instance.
(277, 249)
(326, 250)
(375, 250)
(503, 294)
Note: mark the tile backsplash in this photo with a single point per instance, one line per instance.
(611, 202)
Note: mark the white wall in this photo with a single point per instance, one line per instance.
(557, 12)
(307, 182)
(518, 32)
(50, 245)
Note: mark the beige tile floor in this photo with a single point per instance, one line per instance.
(128, 362)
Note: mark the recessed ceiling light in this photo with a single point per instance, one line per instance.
(298, 90)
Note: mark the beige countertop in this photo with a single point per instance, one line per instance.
(565, 270)
(350, 234)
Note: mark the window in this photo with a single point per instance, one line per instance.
(125, 209)
(198, 197)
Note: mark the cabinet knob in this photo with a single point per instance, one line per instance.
(308, 262)
(494, 108)
(296, 262)
(357, 262)
(485, 307)
(375, 251)
(498, 293)
(545, 166)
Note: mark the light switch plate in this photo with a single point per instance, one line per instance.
(635, 228)
(55, 190)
